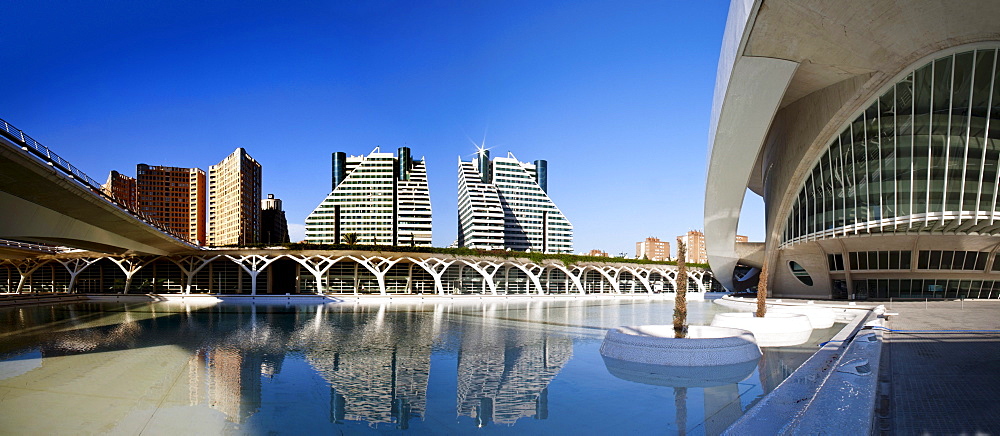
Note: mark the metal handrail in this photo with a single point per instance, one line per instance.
(44, 154)
(29, 246)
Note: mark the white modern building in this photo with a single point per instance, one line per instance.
(504, 204)
(867, 127)
(381, 197)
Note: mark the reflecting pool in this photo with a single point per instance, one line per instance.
(513, 366)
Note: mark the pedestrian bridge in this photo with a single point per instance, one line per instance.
(45, 199)
(280, 272)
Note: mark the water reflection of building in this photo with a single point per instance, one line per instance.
(503, 375)
(227, 377)
(378, 369)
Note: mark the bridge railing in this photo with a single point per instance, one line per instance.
(44, 154)
(6, 243)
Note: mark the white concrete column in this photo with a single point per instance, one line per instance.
(379, 267)
(74, 267)
(190, 266)
(436, 268)
(130, 265)
(253, 264)
(317, 265)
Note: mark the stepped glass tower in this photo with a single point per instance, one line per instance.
(504, 204)
(382, 197)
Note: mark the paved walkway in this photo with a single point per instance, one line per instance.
(941, 382)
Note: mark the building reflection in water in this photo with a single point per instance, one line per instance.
(376, 361)
(503, 374)
(226, 375)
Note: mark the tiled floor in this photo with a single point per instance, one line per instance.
(941, 382)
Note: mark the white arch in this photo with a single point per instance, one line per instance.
(576, 274)
(74, 267)
(379, 269)
(131, 265)
(531, 270)
(483, 268)
(190, 265)
(253, 264)
(642, 275)
(436, 268)
(317, 265)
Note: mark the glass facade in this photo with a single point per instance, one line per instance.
(926, 288)
(921, 158)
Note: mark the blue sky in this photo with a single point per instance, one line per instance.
(615, 95)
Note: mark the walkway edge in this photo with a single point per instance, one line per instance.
(834, 389)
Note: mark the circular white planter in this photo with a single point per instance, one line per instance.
(773, 330)
(703, 346)
(819, 317)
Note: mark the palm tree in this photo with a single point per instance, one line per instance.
(762, 292)
(350, 238)
(680, 302)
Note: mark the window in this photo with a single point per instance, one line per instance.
(800, 273)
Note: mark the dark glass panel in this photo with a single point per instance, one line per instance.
(935, 260)
(883, 260)
(957, 260)
(946, 258)
(854, 260)
(893, 260)
(981, 261)
(971, 258)
(923, 260)
(904, 260)
(981, 83)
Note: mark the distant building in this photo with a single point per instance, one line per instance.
(234, 193)
(174, 197)
(383, 198)
(652, 249)
(597, 253)
(741, 238)
(504, 204)
(122, 188)
(695, 243)
(273, 225)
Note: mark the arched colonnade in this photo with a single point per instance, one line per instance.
(259, 274)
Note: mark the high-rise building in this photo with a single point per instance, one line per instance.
(383, 198)
(694, 241)
(234, 193)
(273, 225)
(504, 204)
(652, 249)
(174, 197)
(122, 188)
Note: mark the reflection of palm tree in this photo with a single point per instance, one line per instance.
(680, 403)
(350, 238)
